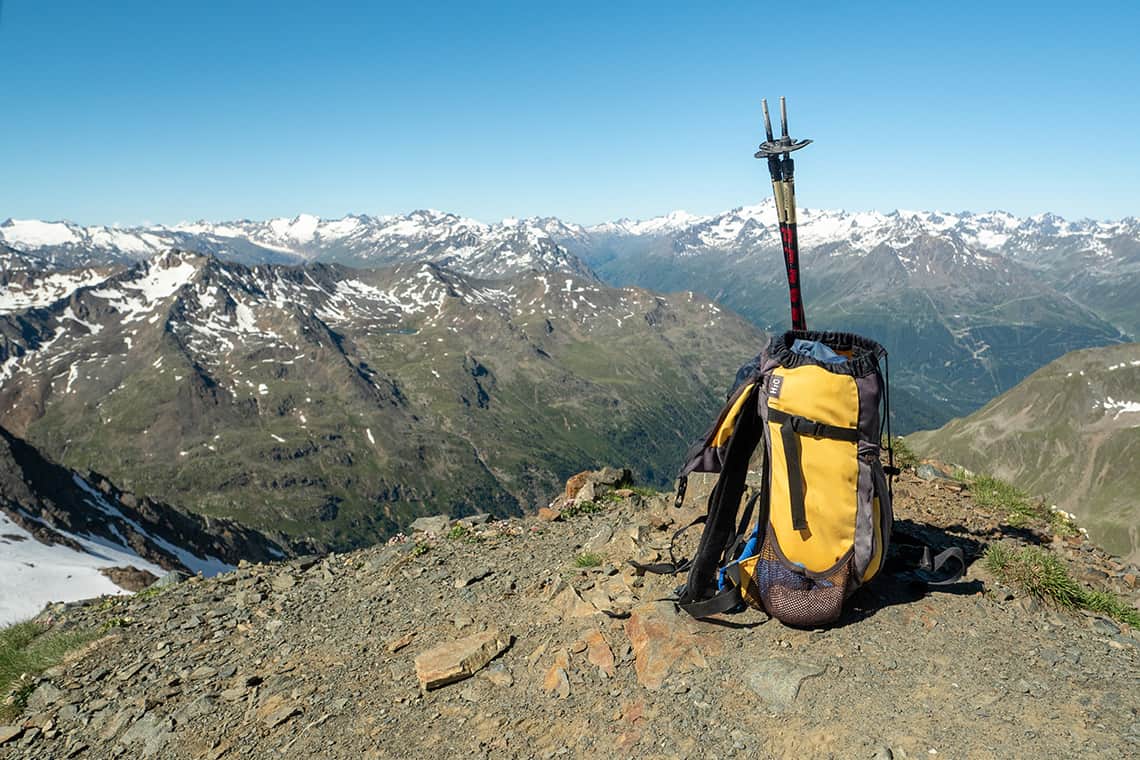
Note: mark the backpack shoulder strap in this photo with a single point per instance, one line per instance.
(699, 595)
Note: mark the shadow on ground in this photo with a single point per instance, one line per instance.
(901, 581)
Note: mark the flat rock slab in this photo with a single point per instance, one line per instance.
(455, 660)
(664, 640)
(568, 604)
(777, 681)
(434, 524)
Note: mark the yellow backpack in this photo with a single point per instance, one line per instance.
(824, 508)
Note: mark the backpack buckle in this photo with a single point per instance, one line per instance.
(804, 426)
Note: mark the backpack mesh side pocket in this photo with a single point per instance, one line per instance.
(789, 594)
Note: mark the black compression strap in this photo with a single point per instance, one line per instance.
(795, 476)
(933, 567)
(722, 602)
(660, 568)
(804, 426)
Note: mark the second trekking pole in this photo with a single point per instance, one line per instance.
(782, 169)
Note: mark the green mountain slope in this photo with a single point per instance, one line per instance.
(339, 404)
(1069, 432)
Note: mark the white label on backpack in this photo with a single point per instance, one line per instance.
(775, 383)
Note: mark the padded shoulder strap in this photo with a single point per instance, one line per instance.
(720, 531)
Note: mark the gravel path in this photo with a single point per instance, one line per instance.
(317, 657)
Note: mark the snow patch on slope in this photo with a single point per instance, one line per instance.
(33, 574)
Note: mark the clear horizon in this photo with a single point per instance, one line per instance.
(151, 113)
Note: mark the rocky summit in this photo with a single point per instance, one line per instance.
(532, 637)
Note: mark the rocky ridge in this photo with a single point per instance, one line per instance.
(530, 637)
(465, 245)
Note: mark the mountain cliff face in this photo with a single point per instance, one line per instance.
(1070, 432)
(339, 404)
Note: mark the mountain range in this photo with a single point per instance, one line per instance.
(337, 404)
(967, 303)
(472, 247)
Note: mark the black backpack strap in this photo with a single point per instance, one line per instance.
(791, 427)
(742, 532)
(931, 568)
(721, 530)
(924, 567)
(725, 601)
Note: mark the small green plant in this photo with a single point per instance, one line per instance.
(463, 533)
(151, 591)
(588, 559)
(420, 549)
(26, 650)
(1061, 524)
(582, 508)
(117, 622)
(644, 492)
(904, 454)
(999, 496)
(1041, 574)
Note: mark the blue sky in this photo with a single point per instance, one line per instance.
(130, 112)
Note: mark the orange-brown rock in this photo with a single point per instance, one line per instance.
(455, 660)
(574, 484)
(664, 640)
(557, 679)
(599, 652)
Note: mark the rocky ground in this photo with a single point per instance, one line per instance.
(328, 657)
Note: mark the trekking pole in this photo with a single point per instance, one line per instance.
(782, 169)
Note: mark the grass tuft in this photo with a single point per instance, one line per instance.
(997, 495)
(582, 508)
(26, 650)
(1041, 574)
(588, 559)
